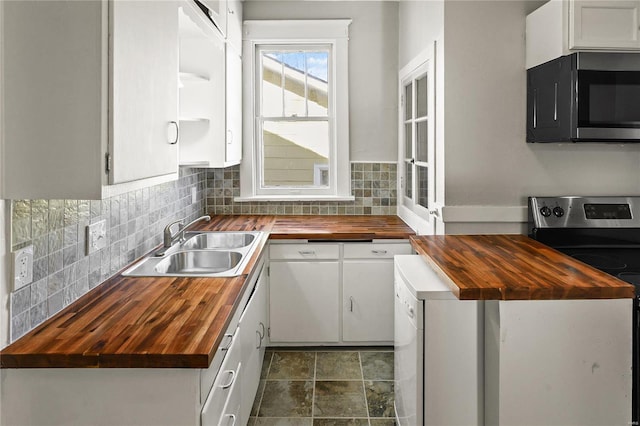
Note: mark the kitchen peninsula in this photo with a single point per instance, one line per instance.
(156, 341)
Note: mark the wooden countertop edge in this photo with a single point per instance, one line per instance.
(623, 291)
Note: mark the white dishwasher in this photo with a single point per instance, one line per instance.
(438, 349)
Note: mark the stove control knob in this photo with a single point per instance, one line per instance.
(558, 211)
(545, 211)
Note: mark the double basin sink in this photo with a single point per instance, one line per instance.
(202, 254)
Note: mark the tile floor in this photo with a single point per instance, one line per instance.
(325, 388)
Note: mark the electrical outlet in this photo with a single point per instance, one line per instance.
(22, 267)
(96, 237)
(194, 196)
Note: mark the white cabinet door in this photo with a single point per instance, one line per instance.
(604, 24)
(304, 301)
(253, 330)
(144, 84)
(107, 84)
(367, 303)
(234, 106)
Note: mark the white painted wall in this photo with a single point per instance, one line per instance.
(420, 23)
(487, 162)
(4, 273)
(4, 229)
(373, 66)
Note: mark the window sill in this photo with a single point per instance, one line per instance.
(261, 198)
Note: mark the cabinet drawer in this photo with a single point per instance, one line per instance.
(375, 250)
(226, 378)
(227, 357)
(304, 251)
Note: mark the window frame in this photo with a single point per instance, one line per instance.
(304, 33)
(417, 216)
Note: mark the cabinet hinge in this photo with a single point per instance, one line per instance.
(269, 331)
(107, 163)
(401, 100)
(268, 271)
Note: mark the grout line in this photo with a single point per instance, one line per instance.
(364, 390)
(313, 384)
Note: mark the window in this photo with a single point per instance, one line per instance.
(296, 111)
(417, 141)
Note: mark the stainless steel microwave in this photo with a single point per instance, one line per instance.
(585, 97)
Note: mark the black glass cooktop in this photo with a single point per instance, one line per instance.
(623, 263)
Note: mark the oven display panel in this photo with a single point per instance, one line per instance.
(607, 211)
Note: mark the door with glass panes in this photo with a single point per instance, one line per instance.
(417, 141)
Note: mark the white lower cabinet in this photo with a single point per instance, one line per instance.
(367, 291)
(332, 293)
(304, 301)
(367, 301)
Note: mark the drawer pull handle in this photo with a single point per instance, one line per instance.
(263, 330)
(379, 251)
(351, 303)
(228, 345)
(307, 252)
(232, 378)
(233, 419)
(259, 339)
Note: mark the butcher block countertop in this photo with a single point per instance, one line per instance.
(513, 267)
(171, 322)
(176, 322)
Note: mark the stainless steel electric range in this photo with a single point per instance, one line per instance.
(603, 232)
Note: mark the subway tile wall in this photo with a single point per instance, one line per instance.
(372, 184)
(62, 271)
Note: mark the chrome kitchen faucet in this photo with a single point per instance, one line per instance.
(170, 238)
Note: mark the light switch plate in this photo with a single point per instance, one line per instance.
(194, 196)
(22, 267)
(96, 237)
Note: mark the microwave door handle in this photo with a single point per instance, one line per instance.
(555, 102)
(535, 108)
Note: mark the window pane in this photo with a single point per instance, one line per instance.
(421, 141)
(317, 83)
(423, 186)
(271, 85)
(408, 180)
(294, 84)
(408, 150)
(295, 153)
(408, 101)
(421, 96)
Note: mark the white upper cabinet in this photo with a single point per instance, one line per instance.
(604, 24)
(561, 27)
(210, 93)
(144, 65)
(92, 105)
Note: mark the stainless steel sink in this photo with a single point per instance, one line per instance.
(198, 262)
(203, 254)
(214, 240)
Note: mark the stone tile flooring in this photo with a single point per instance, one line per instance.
(325, 387)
